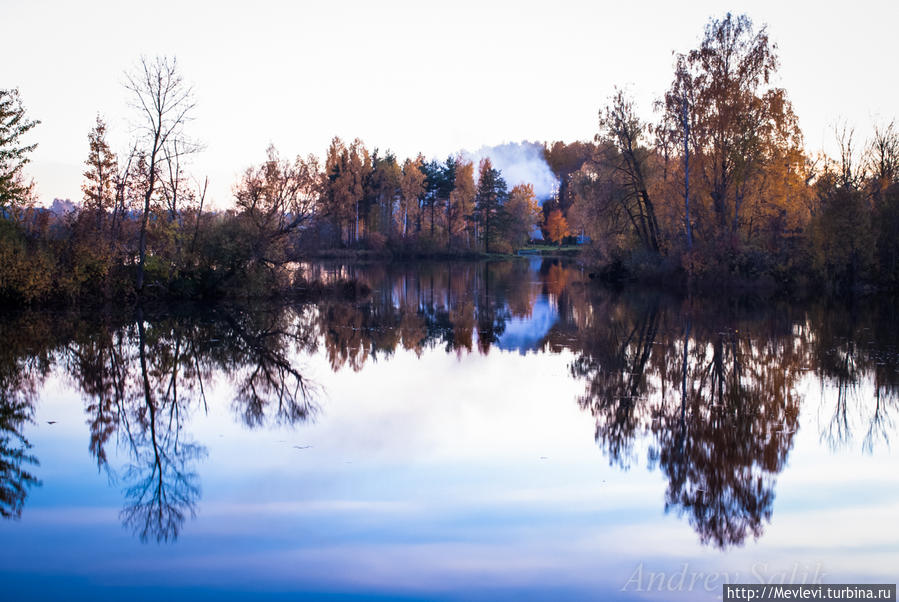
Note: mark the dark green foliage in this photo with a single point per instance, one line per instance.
(440, 178)
(489, 213)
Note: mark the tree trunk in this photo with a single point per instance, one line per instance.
(142, 245)
(688, 225)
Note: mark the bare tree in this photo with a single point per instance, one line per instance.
(122, 177)
(851, 173)
(164, 104)
(882, 157)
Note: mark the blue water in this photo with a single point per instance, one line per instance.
(549, 453)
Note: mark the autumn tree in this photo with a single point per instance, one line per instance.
(412, 188)
(99, 177)
(87, 257)
(565, 159)
(359, 172)
(347, 169)
(624, 154)
(557, 226)
(277, 198)
(336, 201)
(594, 212)
(15, 191)
(164, 103)
(609, 209)
(524, 214)
(382, 191)
(460, 204)
(736, 118)
(674, 134)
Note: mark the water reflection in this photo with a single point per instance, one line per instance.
(24, 363)
(855, 348)
(142, 378)
(711, 393)
(717, 395)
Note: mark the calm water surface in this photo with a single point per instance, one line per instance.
(465, 431)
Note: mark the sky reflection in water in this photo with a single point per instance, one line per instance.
(465, 431)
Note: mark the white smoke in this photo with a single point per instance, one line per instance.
(520, 163)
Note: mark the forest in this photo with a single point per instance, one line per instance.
(718, 189)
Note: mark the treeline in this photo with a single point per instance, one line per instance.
(145, 227)
(370, 200)
(721, 188)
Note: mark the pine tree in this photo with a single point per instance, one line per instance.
(489, 202)
(14, 191)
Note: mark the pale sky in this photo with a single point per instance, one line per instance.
(410, 76)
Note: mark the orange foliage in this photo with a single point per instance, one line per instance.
(557, 226)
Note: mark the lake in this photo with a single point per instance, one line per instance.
(449, 431)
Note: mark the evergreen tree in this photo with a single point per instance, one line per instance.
(14, 191)
(447, 180)
(489, 203)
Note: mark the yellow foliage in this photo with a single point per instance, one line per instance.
(557, 226)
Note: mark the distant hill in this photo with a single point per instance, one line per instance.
(61, 207)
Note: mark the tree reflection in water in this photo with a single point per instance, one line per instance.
(24, 364)
(142, 381)
(17, 394)
(855, 347)
(710, 391)
(715, 389)
(723, 444)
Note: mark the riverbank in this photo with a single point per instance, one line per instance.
(365, 255)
